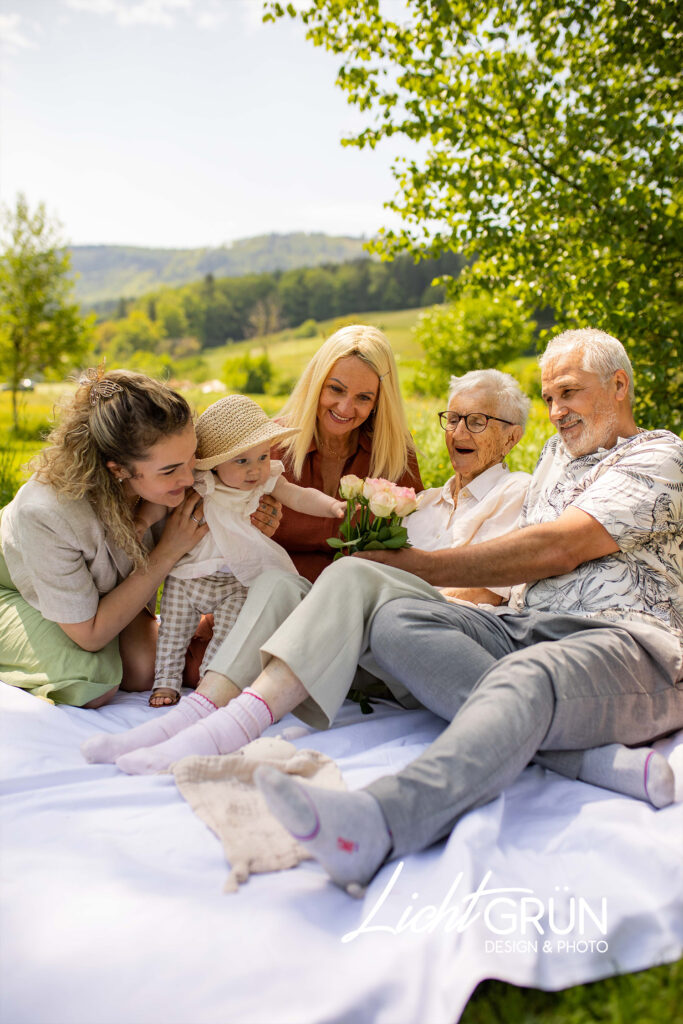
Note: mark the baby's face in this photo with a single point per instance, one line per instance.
(247, 470)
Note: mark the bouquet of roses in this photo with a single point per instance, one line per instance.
(375, 509)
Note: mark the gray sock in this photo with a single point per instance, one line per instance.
(345, 832)
(638, 772)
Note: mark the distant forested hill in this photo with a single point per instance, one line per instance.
(109, 272)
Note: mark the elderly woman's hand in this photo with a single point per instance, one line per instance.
(267, 516)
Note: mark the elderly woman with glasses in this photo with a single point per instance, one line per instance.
(485, 419)
(298, 646)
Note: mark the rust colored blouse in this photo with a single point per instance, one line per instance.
(304, 536)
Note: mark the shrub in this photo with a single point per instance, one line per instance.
(9, 474)
(248, 374)
(308, 329)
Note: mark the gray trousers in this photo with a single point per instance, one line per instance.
(514, 685)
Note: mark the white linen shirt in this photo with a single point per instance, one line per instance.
(488, 507)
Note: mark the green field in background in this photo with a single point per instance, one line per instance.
(289, 355)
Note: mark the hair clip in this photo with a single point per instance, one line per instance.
(99, 387)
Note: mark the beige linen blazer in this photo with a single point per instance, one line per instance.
(58, 554)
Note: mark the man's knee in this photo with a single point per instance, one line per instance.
(525, 674)
(393, 623)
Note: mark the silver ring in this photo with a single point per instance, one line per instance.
(192, 517)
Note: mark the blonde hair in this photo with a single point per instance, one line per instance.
(386, 425)
(115, 416)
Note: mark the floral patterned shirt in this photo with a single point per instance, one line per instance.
(635, 491)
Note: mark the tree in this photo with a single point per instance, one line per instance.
(549, 153)
(170, 311)
(265, 318)
(136, 333)
(41, 329)
(480, 332)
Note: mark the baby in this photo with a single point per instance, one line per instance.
(232, 471)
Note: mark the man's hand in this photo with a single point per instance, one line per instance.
(414, 560)
(267, 516)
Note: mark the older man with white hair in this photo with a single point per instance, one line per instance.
(588, 654)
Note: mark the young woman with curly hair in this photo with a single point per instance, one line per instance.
(87, 540)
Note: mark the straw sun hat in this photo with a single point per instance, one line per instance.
(231, 426)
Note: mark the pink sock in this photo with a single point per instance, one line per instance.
(223, 732)
(106, 747)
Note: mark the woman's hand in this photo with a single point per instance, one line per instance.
(147, 513)
(267, 516)
(184, 527)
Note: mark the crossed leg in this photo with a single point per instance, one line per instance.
(588, 688)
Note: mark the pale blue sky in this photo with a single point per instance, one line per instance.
(179, 123)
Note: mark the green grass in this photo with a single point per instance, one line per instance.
(649, 997)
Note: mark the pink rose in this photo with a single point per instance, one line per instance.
(374, 485)
(406, 502)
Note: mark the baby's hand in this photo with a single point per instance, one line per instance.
(338, 509)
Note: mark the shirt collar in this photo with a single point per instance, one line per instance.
(480, 486)
(599, 453)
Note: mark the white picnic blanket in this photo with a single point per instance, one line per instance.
(113, 907)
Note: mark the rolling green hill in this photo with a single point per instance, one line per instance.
(105, 273)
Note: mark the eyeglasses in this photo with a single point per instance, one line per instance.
(474, 421)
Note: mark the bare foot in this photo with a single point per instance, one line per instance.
(163, 696)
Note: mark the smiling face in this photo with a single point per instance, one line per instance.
(248, 470)
(166, 471)
(347, 398)
(472, 454)
(589, 413)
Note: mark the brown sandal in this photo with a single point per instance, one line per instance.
(168, 695)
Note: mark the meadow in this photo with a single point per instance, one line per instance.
(288, 355)
(650, 997)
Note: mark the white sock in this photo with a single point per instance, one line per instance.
(638, 772)
(345, 832)
(106, 747)
(242, 720)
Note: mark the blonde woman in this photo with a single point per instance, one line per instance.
(348, 407)
(87, 540)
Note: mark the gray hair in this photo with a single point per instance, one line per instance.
(511, 402)
(599, 353)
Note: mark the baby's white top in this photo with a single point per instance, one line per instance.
(232, 544)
